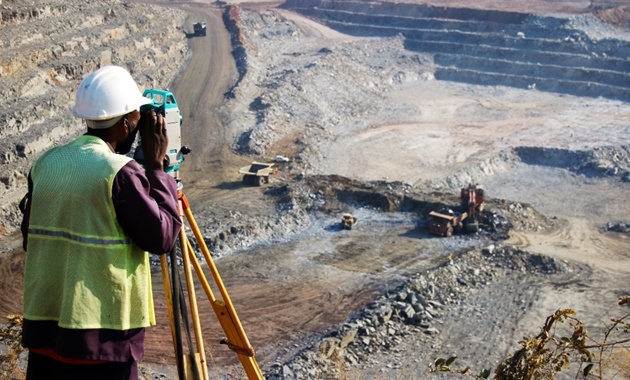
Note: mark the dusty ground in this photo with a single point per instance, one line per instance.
(289, 290)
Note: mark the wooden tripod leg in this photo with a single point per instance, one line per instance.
(236, 338)
(169, 298)
(200, 356)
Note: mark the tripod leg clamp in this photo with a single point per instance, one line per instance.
(239, 350)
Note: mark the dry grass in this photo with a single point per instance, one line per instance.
(552, 352)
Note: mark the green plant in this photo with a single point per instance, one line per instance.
(547, 354)
(11, 339)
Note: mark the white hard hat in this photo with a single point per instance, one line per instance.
(107, 93)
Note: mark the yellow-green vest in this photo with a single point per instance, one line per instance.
(81, 269)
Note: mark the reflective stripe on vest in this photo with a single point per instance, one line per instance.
(85, 240)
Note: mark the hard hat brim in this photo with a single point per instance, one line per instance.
(139, 102)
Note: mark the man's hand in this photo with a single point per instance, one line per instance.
(152, 129)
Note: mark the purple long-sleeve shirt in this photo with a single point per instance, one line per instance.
(146, 208)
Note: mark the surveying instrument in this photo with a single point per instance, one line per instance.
(193, 365)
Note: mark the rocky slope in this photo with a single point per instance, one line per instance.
(491, 47)
(47, 48)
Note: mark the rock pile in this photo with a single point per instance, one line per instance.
(415, 309)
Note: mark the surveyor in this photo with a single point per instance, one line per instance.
(91, 214)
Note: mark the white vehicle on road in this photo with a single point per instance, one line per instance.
(280, 159)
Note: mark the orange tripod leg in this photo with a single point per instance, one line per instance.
(224, 309)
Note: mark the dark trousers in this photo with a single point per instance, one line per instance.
(44, 367)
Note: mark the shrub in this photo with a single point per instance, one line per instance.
(547, 354)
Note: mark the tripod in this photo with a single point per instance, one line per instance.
(194, 365)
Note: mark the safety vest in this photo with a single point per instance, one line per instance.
(81, 269)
